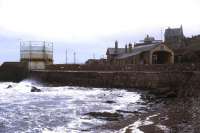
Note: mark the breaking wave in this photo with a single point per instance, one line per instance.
(58, 109)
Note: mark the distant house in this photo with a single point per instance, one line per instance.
(148, 40)
(112, 53)
(157, 53)
(95, 61)
(174, 37)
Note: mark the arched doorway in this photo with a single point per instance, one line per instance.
(162, 57)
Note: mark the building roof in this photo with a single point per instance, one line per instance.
(113, 52)
(144, 43)
(137, 50)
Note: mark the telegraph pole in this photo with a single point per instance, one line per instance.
(93, 56)
(161, 32)
(74, 57)
(20, 50)
(66, 56)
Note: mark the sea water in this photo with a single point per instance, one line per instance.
(58, 109)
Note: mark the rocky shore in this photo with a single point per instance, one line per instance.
(162, 115)
(173, 109)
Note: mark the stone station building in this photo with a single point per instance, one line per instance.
(156, 53)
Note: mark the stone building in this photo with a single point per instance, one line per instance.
(148, 40)
(174, 37)
(96, 61)
(157, 53)
(112, 53)
(186, 49)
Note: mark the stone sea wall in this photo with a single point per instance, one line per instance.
(107, 67)
(159, 81)
(178, 78)
(13, 71)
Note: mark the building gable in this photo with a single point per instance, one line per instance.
(161, 47)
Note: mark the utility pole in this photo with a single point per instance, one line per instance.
(93, 56)
(74, 57)
(161, 32)
(66, 56)
(20, 50)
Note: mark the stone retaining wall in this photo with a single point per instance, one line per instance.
(13, 71)
(120, 79)
(182, 77)
(107, 67)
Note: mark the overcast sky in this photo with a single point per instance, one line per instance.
(88, 27)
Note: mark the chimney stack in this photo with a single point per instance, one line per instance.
(116, 46)
(130, 47)
(126, 49)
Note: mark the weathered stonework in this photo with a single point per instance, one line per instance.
(183, 79)
(120, 79)
(13, 71)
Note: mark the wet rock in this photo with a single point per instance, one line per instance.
(2, 125)
(164, 92)
(148, 97)
(140, 103)
(9, 86)
(85, 130)
(106, 115)
(34, 89)
(163, 118)
(124, 111)
(143, 109)
(171, 94)
(160, 91)
(110, 102)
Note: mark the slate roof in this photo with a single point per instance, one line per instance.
(137, 50)
(119, 51)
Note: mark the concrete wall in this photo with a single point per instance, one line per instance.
(35, 65)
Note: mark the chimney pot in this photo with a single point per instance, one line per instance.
(130, 47)
(116, 46)
(126, 49)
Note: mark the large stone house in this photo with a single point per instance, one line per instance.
(186, 50)
(157, 53)
(174, 37)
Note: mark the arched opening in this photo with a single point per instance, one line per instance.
(161, 57)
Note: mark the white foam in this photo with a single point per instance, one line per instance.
(135, 126)
(163, 128)
(55, 130)
(70, 103)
